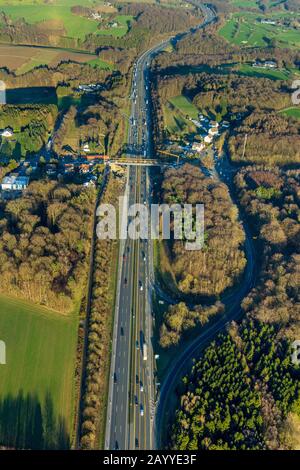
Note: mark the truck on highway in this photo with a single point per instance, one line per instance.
(145, 352)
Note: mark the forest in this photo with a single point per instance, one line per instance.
(219, 265)
(44, 243)
(270, 198)
(242, 394)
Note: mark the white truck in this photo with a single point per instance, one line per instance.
(145, 352)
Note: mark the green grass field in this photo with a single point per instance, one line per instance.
(185, 106)
(75, 26)
(175, 122)
(101, 64)
(264, 73)
(40, 355)
(120, 30)
(246, 29)
(254, 4)
(291, 112)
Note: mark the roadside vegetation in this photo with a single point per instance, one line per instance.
(96, 373)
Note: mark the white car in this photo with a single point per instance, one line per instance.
(142, 411)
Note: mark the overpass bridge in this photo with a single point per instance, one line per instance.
(143, 161)
(133, 161)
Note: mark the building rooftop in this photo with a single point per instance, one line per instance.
(16, 179)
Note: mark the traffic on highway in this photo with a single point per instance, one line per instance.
(131, 400)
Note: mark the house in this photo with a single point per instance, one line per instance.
(91, 181)
(90, 88)
(214, 124)
(96, 16)
(213, 131)
(197, 123)
(270, 64)
(8, 132)
(69, 167)
(86, 148)
(268, 21)
(14, 183)
(198, 146)
(208, 139)
(84, 168)
(51, 169)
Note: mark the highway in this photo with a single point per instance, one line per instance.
(131, 407)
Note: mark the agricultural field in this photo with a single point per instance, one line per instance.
(22, 59)
(247, 30)
(40, 357)
(59, 16)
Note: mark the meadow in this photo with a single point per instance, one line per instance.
(40, 356)
(291, 112)
(246, 30)
(254, 4)
(185, 106)
(275, 74)
(60, 15)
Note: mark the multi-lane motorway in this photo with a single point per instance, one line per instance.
(130, 414)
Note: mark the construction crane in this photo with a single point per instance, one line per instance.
(169, 153)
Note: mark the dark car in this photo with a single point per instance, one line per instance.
(122, 331)
(136, 443)
(136, 401)
(125, 281)
(115, 378)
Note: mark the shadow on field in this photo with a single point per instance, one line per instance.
(26, 424)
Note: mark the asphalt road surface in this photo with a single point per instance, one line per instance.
(131, 408)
